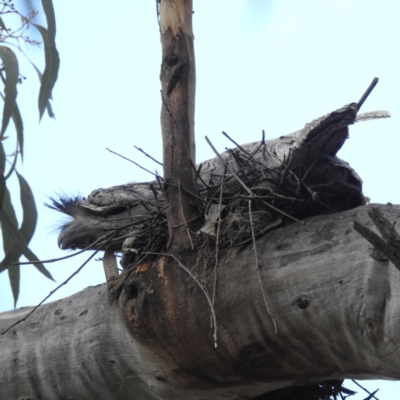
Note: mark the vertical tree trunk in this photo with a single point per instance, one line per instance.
(178, 78)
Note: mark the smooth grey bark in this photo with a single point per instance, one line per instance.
(336, 307)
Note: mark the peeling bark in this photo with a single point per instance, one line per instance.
(335, 305)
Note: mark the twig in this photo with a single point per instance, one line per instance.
(198, 176)
(367, 93)
(258, 267)
(217, 239)
(155, 193)
(240, 147)
(183, 215)
(133, 162)
(199, 285)
(315, 197)
(260, 233)
(188, 192)
(283, 213)
(52, 292)
(228, 166)
(62, 258)
(147, 155)
(365, 390)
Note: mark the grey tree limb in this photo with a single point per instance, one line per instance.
(336, 308)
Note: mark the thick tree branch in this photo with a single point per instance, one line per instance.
(335, 305)
(178, 78)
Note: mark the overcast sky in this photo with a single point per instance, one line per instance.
(260, 65)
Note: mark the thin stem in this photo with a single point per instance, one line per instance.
(147, 155)
(65, 257)
(228, 166)
(217, 239)
(133, 162)
(52, 292)
(371, 395)
(258, 268)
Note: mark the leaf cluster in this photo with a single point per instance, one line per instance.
(16, 237)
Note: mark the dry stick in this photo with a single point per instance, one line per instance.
(371, 395)
(52, 292)
(288, 161)
(190, 220)
(262, 143)
(147, 155)
(263, 153)
(334, 182)
(245, 187)
(240, 147)
(367, 93)
(133, 162)
(283, 213)
(228, 166)
(315, 197)
(260, 233)
(183, 215)
(188, 192)
(61, 258)
(200, 286)
(217, 240)
(198, 176)
(258, 268)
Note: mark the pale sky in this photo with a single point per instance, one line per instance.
(272, 65)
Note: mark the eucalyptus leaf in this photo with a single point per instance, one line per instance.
(10, 66)
(2, 25)
(50, 73)
(48, 106)
(12, 253)
(9, 209)
(2, 179)
(30, 214)
(20, 243)
(19, 127)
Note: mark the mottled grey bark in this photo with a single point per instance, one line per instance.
(335, 305)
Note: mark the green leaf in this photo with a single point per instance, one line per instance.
(2, 179)
(30, 214)
(21, 237)
(51, 19)
(10, 65)
(48, 106)
(11, 256)
(19, 127)
(9, 209)
(52, 60)
(2, 26)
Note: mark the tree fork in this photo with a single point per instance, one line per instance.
(178, 78)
